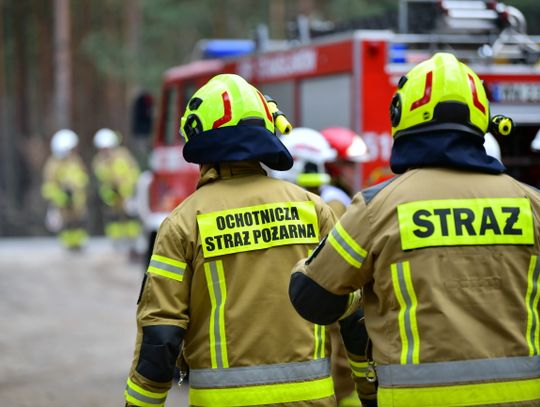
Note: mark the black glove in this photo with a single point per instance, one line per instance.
(369, 403)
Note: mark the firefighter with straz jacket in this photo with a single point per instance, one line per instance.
(218, 277)
(446, 253)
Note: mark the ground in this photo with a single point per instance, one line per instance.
(68, 324)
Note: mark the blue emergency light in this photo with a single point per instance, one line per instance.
(226, 48)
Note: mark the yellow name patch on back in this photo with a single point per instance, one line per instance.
(456, 222)
(258, 227)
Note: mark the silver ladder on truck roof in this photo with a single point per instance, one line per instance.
(474, 30)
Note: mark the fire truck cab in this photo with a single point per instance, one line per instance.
(348, 79)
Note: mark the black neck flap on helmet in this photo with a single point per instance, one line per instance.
(443, 148)
(238, 143)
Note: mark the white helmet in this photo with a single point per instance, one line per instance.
(63, 142)
(106, 138)
(309, 150)
(491, 146)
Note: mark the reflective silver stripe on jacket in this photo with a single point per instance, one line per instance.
(533, 331)
(262, 374)
(459, 371)
(167, 267)
(217, 290)
(346, 246)
(145, 399)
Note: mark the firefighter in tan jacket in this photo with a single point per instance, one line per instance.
(218, 277)
(446, 254)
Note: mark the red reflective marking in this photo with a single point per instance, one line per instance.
(227, 112)
(427, 92)
(263, 100)
(476, 101)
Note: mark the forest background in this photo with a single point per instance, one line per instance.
(82, 65)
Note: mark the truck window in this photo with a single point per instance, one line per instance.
(326, 101)
(172, 118)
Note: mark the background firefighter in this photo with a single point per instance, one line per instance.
(116, 172)
(346, 168)
(65, 182)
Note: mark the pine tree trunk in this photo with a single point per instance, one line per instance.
(62, 60)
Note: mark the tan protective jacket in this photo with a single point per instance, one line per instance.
(448, 262)
(220, 271)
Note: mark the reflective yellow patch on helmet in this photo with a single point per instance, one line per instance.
(456, 222)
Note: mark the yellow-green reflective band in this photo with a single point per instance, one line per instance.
(260, 395)
(310, 180)
(215, 279)
(132, 229)
(137, 396)
(260, 374)
(345, 245)
(352, 303)
(456, 222)
(72, 238)
(531, 299)
(359, 369)
(53, 192)
(319, 332)
(167, 267)
(460, 395)
(258, 227)
(114, 230)
(408, 327)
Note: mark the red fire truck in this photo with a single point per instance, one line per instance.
(348, 80)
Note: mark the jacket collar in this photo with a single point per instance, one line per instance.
(231, 169)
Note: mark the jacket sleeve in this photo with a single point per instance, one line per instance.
(162, 319)
(322, 287)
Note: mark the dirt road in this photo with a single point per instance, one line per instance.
(67, 326)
